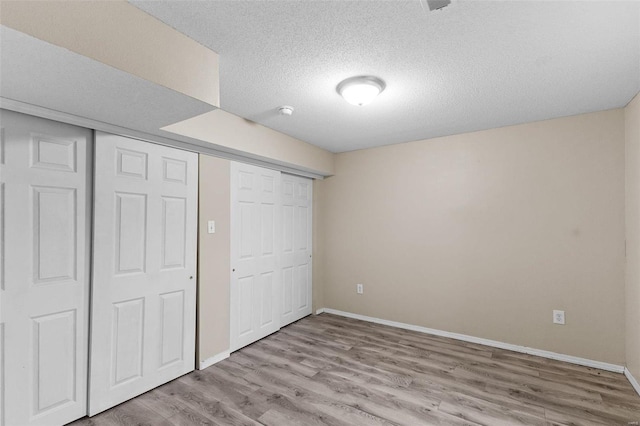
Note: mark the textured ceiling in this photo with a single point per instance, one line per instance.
(473, 65)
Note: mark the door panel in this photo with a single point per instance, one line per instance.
(143, 301)
(174, 211)
(54, 234)
(54, 360)
(303, 284)
(255, 277)
(267, 317)
(128, 322)
(296, 262)
(131, 233)
(45, 170)
(244, 306)
(172, 317)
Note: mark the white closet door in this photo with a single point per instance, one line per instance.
(44, 269)
(297, 246)
(144, 286)
(255, 276)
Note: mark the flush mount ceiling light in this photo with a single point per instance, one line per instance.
(360, 90)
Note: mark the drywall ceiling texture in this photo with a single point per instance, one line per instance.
(473, 65)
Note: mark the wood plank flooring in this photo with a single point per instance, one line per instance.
(330, 370)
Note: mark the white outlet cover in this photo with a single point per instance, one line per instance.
(359, 288)
(558, 317)
(211, 227)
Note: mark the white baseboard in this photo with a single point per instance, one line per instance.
(632, 380)
(214, 360)
(493, 343)
(319, 311)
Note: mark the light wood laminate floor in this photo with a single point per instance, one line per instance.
(330, 370)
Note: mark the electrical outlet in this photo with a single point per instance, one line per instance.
(558, 317)
(211, 227)
(359, 288)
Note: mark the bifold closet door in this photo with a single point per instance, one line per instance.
(144, 264)
(297, 196)
(255, 276)
(45, 170)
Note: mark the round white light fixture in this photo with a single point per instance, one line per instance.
(360, 90)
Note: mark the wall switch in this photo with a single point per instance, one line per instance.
(211, 227)
(558, 317)
(359, 288)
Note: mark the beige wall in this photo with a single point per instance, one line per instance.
(227, 130)
(124, 37)
(485, 234)
(213, 257)
(632, 144)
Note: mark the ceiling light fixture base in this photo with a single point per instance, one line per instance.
(285, 110)
(360, 90)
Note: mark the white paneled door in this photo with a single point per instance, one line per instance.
(44, 269)
(296, 262)
(255, 276)
(144, 263)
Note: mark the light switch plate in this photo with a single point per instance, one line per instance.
(211, 226)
